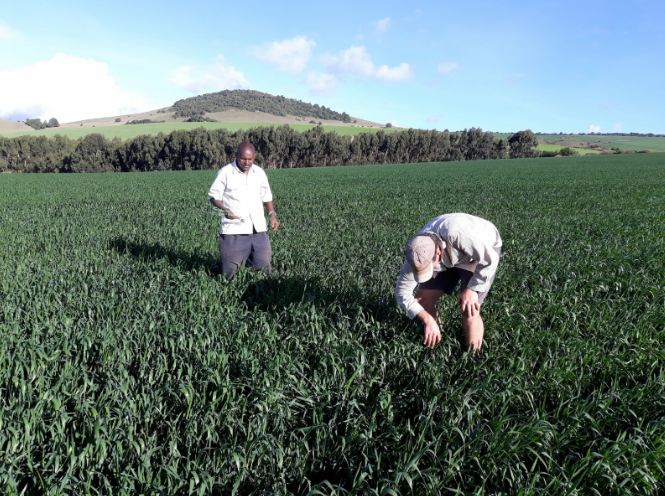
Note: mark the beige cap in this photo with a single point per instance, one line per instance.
(420, 252)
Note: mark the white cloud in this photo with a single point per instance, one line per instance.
(382, 25)
(356, 61)
(447, 68)
(397, 73)
(65, 87)
(216, 77)
(321, 84)
(593, 128)
(6, 33)
(289, 55)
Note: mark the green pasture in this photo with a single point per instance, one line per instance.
(606, 143)
(128, 131)
(546, 147)
(127, 366)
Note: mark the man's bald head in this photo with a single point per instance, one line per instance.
(245, 156)
(245, 147)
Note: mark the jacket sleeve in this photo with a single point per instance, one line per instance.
(265, 191)
(216, 191)
(486, 253)
(404, 288)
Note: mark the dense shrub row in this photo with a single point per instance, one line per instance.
(277, 147)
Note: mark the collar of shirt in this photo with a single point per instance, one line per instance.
(237, 169)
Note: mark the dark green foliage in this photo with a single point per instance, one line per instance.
(523, 144)
(200, 118)
(37, 124)
(143, 121)
(34, 153)
(254, 101)
(93, 153)
(277, 147)
(127, 367)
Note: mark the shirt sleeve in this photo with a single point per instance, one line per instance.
(218, 186)
(404, 288)
(486, 254)
(266, 193)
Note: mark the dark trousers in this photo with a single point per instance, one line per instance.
(236, 250)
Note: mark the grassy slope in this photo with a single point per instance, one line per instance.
(624, 143)
(123, 355)
(128, 131)
(598, 143)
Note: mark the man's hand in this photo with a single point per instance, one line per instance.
(274, 223)
(227, 213)
(432, 332)
(468, 301)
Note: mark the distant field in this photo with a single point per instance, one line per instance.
(546, 147)
(128, 131)
(623, 143)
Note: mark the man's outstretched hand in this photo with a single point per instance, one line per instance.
(432, 332)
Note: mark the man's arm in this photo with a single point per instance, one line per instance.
(404, 297)
(482, 249)
(218, 203)
(270, 210)
(216, 192)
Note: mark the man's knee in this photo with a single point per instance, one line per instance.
(471, 320)
(230, 267)
(261, 255)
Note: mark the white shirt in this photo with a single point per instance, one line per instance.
(243, 195)
(472, 243)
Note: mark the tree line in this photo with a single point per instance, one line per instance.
(277, 147)
(37, 124)
(253, 101)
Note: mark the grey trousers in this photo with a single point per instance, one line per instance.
(236, 250)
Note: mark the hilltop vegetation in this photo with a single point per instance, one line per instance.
(255, 101)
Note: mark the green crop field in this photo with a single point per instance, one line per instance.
(128, 131)
(128, 367)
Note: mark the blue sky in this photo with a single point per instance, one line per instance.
(549, 66)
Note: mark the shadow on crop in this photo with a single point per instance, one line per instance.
(277, 292)
(150, 252)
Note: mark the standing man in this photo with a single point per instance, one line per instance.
(449, 249)
(241, 191)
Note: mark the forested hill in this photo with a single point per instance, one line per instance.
(254, 101)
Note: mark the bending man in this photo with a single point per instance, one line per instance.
(241, 191)
(449, 250)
